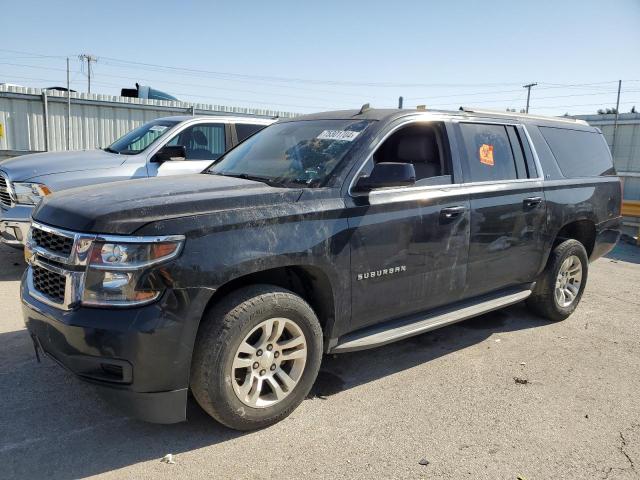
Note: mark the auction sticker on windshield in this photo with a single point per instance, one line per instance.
(338, 135)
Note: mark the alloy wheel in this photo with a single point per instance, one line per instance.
(568, 281)
(269, 363)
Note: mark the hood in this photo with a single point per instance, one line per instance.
(27, 167)
(124, 207)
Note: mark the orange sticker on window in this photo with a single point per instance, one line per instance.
(486, 154)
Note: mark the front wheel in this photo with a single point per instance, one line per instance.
(560, 286)
(256, 357)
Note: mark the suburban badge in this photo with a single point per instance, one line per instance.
(382, 273)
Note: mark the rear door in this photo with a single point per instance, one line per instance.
(508, 212)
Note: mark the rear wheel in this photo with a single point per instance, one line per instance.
(256, 357)
(560, 286)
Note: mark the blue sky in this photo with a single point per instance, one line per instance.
(307, 56)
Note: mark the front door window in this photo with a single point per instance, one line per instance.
(205, 141)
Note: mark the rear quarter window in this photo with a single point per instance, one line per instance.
(245, 130)
(579, 153)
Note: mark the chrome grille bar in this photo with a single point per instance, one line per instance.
(6, 191)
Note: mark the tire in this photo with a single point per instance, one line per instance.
(544, 300)
(216, 381)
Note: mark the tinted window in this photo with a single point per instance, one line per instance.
(547, 162)
(518, 155)
(421, 145)
(204, 141)
(245, 130)
(579, 153)
(532, 170)
(489, 155)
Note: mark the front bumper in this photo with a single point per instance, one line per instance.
(14, 225)
(139, 358)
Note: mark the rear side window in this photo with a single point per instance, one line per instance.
(579, 153)
(245, 130)
(488, 153)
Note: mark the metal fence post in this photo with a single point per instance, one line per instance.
(68, 108)
(615, 121)
(45, 109)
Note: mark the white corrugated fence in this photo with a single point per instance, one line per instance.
(96, 120)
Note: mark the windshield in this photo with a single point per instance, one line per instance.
(299, 153)
(140, 138)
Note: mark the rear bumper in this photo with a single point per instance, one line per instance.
(607, 235)
(14, 225)
(138, 359)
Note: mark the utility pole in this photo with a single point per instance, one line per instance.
(528, 87)
(88, 58)
(615, 121)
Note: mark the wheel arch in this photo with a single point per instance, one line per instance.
(311, 283)
(582, 230)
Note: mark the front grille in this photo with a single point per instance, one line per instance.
(5, 196)
(52, 242)
(49, 283)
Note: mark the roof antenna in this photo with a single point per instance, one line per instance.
(364, 108)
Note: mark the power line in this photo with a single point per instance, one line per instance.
(302, 80)
(139, 79)
(21, 52)
(593, 88)
(232, 75)
(186, 94)
(630, 102)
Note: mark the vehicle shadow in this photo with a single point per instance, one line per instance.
(12, 263)
(625, 252)
(53, 425)
(344, 371)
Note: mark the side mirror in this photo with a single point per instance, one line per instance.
(171, 153)
(388, 174)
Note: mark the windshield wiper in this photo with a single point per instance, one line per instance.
(246, 176)
(111, 150)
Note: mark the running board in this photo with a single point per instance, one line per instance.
(389, 332)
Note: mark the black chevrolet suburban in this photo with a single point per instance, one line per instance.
(327, 233)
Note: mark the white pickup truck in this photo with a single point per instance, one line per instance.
(166, 146)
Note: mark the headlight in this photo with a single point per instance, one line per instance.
(122, 274)
(30, 193)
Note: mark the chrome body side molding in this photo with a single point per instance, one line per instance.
(389, 332)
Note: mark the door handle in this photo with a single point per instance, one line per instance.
(452, 212)
(532, 202)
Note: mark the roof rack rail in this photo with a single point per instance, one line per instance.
(513, 114)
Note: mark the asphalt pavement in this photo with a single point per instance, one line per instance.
(504, 396)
